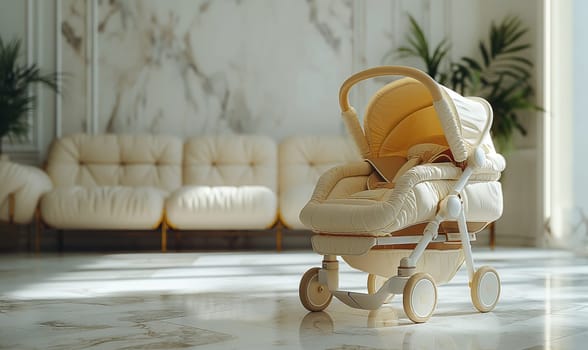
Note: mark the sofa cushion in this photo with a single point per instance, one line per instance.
(116, 160)
(222, 207)
(105, 207)
(231, 160)
(303, 159)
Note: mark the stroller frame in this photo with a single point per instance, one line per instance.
(319, 285)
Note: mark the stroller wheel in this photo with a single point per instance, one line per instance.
(374, 282)
(485, 288)
(313, 295)
(419, 297)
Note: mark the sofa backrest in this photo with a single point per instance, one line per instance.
(230, 160)
(116, 160)
(303, 159)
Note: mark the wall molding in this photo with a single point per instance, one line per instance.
(88, 64)
(29, 55)
(358, 39)
(91, 49)
(58, 68)
(447, 18)
(94, 65)
(397, 26)
(30, 144)
(39, 48)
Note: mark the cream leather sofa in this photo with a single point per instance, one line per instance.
(143, 182)
(303, 159)
(148, 182)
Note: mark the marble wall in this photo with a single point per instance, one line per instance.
(190, 67)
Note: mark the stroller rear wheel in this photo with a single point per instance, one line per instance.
(419, 297)
(313, 295)
(485, 288)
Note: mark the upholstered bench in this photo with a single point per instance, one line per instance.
(111, 182)
(145, 182)
(228, 183)
(154, 182)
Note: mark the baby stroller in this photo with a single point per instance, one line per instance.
(407, 214)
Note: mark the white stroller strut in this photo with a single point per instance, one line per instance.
(469, 142)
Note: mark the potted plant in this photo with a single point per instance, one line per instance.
(16, 96)
(501, 74)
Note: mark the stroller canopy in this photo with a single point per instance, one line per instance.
(415, 110)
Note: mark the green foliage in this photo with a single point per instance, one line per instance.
(16, 98)
(418, 46)
(500, 74)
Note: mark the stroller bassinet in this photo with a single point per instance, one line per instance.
(407, 214)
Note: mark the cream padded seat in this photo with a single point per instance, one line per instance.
(303, 159)
(221, 207)
(25, 184)
(414, 199)
(104, 207)
(111, 181)
(229, 183)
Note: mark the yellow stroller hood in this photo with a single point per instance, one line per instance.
(416, 110)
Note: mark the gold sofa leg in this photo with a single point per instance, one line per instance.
(163, 237)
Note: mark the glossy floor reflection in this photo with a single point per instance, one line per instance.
(250, 301)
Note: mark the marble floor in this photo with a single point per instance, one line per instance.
(249, 300)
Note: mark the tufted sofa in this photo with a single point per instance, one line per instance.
(149, 182)
(143, 182)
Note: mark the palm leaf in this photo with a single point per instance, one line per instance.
(500, 73)
(418, 46)
(16, 97)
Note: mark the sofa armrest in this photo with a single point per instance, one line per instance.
(21, 188)
(331, 177)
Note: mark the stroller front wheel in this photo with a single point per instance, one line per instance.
(313, 295)
(419, 297)
(485, 288)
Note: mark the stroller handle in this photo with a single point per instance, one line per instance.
(410, 72)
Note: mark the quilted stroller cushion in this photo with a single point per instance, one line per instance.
(414, 200)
